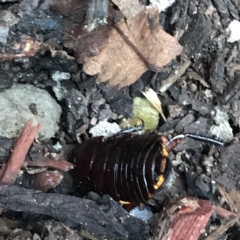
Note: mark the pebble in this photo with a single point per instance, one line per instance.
(105, 129)
(7, 19)
(233, 28)
(15, 111)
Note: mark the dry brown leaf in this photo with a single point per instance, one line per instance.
(121, 52)
(132, 49)
(117, 63)
(155, 47)
(130, 9)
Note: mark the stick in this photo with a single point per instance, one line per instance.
(10, 171)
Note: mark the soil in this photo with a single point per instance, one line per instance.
(207, 85)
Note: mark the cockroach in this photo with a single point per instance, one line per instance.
(128, 167)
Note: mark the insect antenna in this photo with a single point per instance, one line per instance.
(205, 139)
(172, 143)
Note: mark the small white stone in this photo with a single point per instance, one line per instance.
(162, 5)
(222, 129)
(59, 91)
(57, 146)
(59, 76)
(234, 29)
(145, 214)
(105, 129)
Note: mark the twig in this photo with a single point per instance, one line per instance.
(174, 77)
(222, 229)
(10, 171)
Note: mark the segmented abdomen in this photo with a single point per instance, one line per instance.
(126, 167)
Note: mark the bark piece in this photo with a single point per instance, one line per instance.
(230, 165)
(6, 145)
(58, 164)
(197, 34)
(28, 47)
(232, 199)
(107, 220)
(97, 13)
(55, 230)
(166, 84)
(223, 212)
(9, 172)
(221, 6)
(217, 75)
(186, 219)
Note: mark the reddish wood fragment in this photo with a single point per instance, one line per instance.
(222, 212)
(9, 172)
(58, 164)
(186, 219)
(190, 225)
(47, 180)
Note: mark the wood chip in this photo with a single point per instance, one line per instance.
(58, 164)
(47, 180)
(222, 212)
(166, 84)
(196, 76)
(185, 219)
(28, 46)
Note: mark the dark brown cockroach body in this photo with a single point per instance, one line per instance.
(128, 167)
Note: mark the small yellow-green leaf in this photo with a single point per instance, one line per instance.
(144, 110)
